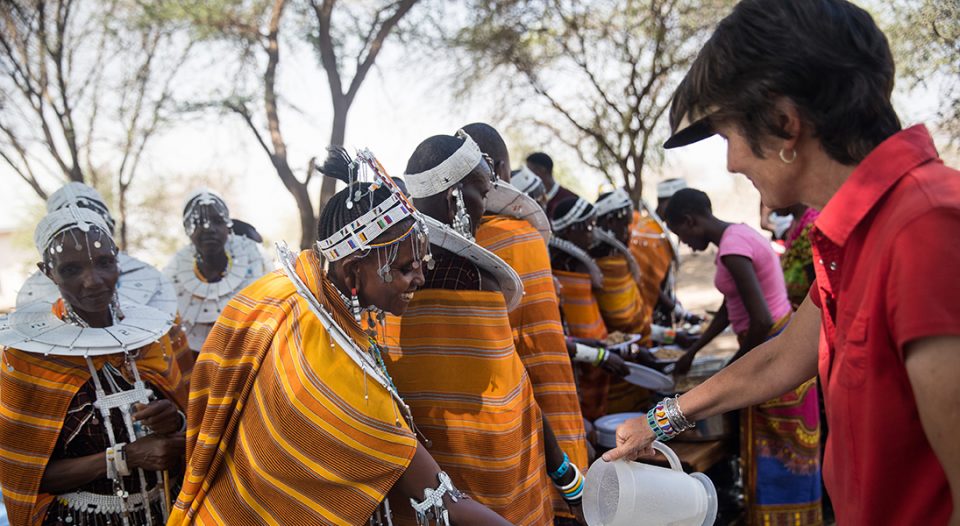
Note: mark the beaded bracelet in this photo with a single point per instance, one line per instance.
(601, 356)
(562, 470)
(572, 491)
(667, 420)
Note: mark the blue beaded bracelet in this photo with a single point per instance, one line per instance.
(562, 470)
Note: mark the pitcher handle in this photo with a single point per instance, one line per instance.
(672, 457)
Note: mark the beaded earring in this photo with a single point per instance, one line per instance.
(461, 219)
(355, 305)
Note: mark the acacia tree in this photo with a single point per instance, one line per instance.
(603, 71)
(925, 36)
(361, 36)
(85, 86)
(347, 38)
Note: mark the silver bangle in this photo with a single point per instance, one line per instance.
(678, 421)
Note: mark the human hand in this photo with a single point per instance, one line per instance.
(634, 440)
(684, 363)
(161, 416)
(157, 453)
(614, 364)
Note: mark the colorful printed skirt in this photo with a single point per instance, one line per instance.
(780, 451)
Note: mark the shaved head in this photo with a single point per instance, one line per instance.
(491, 143)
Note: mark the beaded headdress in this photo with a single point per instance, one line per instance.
(69, 219)
(527, 182)
(579, 212)
(79, 194)
(666, 189)
(359, 235)
(616, 200)
(198, 205)
(448, 173)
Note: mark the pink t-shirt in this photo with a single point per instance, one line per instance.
(741, 240)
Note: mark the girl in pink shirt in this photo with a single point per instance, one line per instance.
(780, 437)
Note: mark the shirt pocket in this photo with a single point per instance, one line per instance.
(852, 352)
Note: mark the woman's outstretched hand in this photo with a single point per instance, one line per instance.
(634, 440)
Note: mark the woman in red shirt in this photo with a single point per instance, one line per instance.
(801, 93)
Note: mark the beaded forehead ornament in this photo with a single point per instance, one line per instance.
(196, 211)
(359, 235)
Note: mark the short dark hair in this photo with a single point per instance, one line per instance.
(827, 56)
(488, 139)
(541, 159)
(688, 201)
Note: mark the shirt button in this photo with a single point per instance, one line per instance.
(821, 261)
(833, 265)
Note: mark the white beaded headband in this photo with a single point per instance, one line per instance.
(526, 181)
(666, 189)
(616, 200)
(580, 211)
(359, 234)
(67, 218)
(448, 173)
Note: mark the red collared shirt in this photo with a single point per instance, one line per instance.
(887, 259)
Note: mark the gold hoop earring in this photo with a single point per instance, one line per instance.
(784, 157)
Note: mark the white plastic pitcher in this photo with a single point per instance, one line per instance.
(624, 493)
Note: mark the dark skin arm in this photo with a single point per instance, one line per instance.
(748, 285)
(422, 474)
(153, 453)
(717, 325)
(554, 457)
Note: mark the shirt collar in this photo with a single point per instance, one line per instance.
(872, 178)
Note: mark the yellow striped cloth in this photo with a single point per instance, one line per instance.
(452, 358)
(623, 309)
(284, 428)
(35, 393)
(654, 255)
(582, 313)
(538, 334)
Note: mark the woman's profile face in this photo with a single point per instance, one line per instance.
(406, 276)
(85, 270)
(773, 178)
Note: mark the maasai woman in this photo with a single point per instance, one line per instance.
(780, 438)
(621, 304)
(573, 222)
(516, 229)
(293, 417)
(139, 281)
(452, 354)
(90, 390)
(214, 267)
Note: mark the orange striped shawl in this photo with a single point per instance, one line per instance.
(452, 357)
(538, 333)
(279, 429)
(580, 309)
(619, 300)
(35, 393)
(654, 256)
(623, 310)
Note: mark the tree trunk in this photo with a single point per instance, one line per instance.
(328, 186)
(122, 208)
